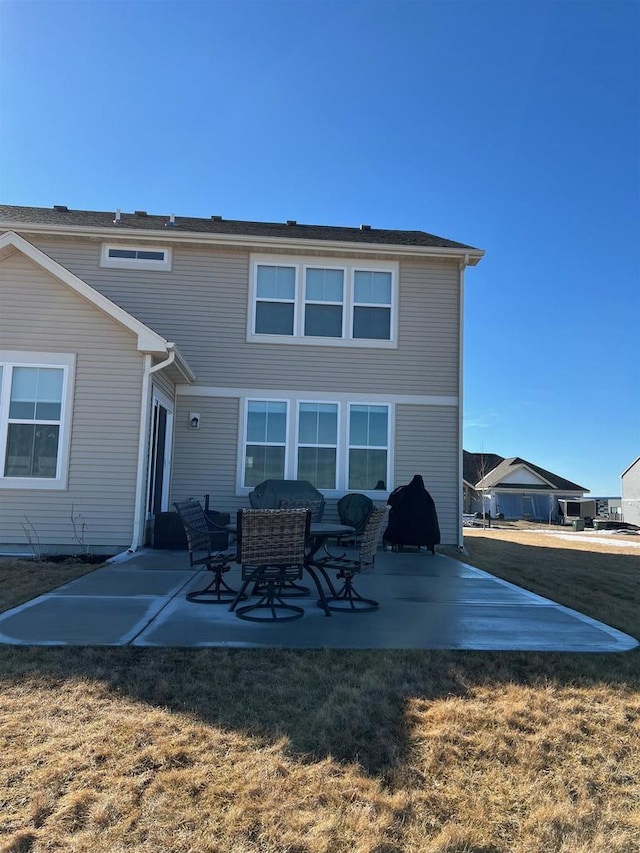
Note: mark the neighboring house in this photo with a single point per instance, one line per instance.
(145, 359)
(515, 488)
(631, 493)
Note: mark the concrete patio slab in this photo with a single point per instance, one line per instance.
(69, 620)
(427, 602)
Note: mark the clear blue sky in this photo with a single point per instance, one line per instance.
(512, 126)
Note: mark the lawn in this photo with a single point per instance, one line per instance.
(237, 750)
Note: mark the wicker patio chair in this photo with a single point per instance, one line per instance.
(347, 599)
(199, 533)
(271, 552)
(316, 507)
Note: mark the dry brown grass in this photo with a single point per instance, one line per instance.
(23, 579)
(204, 751)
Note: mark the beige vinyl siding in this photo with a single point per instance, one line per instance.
(39, 313)
(204, 460)
(202, 305)
(427, 444)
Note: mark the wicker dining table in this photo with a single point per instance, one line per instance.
(319, 533)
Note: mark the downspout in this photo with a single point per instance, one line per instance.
(143, 444)
(462, 267)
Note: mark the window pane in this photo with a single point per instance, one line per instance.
(274, 318)
(324, 285)
(22, 411)
(122, 253)
(266, 421)
(263, 463)
(24, 386)
(327, 424)
(359, 425)
(150, 256)
(372, 287)
(323, 321)
(377, 426)
(368, 426)
(32, 450)
(372, 323)
(277, 422)
(276, 282)
(48, 411)
(32, 385)
(318, 465)
(257, 422)
(318, 423)
(49, 385)
(366, 467)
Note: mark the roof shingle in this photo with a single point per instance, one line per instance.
(58, 215)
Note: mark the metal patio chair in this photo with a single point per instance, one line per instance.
(271, 552)
(200, 532)
(347, 599)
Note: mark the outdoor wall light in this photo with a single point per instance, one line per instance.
(194, 420)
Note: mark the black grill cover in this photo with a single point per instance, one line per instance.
(412, 518)
(269, 493)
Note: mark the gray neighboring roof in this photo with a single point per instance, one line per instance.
(506, 466)
(475, 466)
(105, 219)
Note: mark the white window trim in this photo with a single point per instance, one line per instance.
(343, 402)
(65, 361)
(134, 263)
(301, 264)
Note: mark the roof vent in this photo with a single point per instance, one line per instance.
(365, 228)
(140, 212)
(117, 218)
(291, 222)
(217, 218)
(61, 208)
(172, 220)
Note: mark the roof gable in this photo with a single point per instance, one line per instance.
(148, 340)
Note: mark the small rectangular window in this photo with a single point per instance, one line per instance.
(136, 257)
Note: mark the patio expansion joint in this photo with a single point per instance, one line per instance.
(168, 600)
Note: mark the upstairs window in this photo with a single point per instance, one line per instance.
(136, 257)
(323, 307)
(318, 302)
(275, 300)
(372, 305)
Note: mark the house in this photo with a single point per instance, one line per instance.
(515, 488)
(146, 359)
(631, 493)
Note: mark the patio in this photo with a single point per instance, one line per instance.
(427, 602)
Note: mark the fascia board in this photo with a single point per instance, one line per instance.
(148, 340)
(626, 470)
(470, 256)
(496, 484)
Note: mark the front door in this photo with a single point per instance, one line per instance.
(160, 444)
